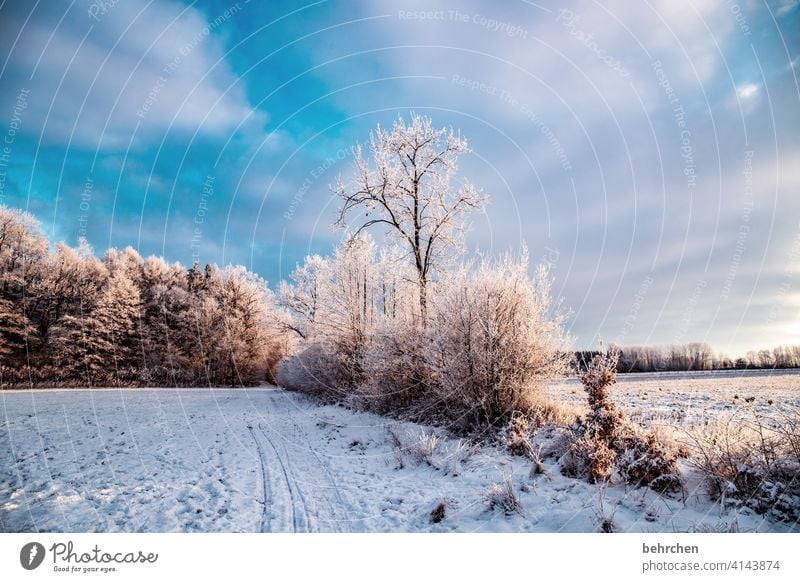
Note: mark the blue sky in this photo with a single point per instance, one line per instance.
(650, 151)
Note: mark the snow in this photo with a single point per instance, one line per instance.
(687, 399)
(265, 459)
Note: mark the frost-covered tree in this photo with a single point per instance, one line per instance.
(408, 187)
(102, 345)
(250, 347)
(333, 303)
(23, 253)
(303, 297)
(15, 329)
(70, 285)
(398, 363)
(127, 260)
(23, 249)
(195, 278)
(165, 344)
(68, 317)
(397, 289)
(347, 318)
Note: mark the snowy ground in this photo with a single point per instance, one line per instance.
(689, 399)
(269, 460)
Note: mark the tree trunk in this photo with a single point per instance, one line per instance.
(423, 300)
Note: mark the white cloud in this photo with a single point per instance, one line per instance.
(783, 7)
(156, 65)
(745, 98)
(747, 91)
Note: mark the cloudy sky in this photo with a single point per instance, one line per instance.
(650, 151)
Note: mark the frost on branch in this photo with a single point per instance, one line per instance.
(408, 188)
(606, 443)
(499, 338)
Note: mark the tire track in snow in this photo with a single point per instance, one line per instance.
(341, 504)
(265, 518)
(298, 521)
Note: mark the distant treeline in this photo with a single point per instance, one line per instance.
(692, 356)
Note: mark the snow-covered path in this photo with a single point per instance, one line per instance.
(264, 460)
(166, 460)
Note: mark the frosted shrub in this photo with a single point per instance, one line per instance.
(499, 340)
(647, 460)
(606, 442)
(605, 422)
(517, 436)
(311, 370)
(332, 308)
(589, 457)
(750, 461)
(398, 369)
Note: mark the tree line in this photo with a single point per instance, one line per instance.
(692, 356)
(69, 318)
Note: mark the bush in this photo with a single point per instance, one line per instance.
(589, 457)
(398, 371)
(312, 371)
(747, 461)
(646, 460)
(607, 442)
(499, 341)
(491, 340)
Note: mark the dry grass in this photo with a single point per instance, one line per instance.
(427, 447)
(502, 496)
(423, 446)
(550, 412)
(604, 515)
(748, 459)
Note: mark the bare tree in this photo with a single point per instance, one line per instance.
(408, 189)
(302, 299)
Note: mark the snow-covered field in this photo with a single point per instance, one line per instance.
(269, 460)
(689, 399)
